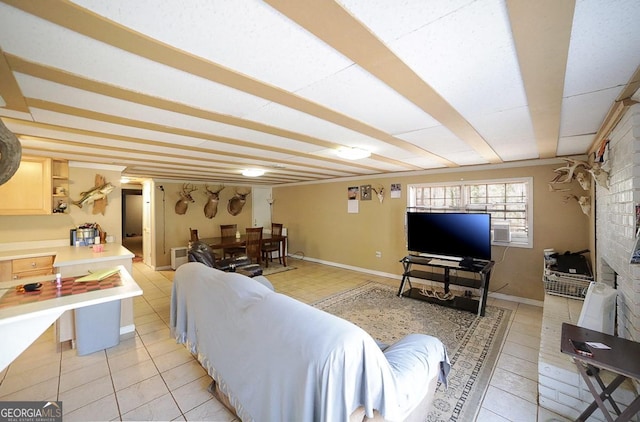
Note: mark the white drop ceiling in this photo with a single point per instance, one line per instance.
(201, 90)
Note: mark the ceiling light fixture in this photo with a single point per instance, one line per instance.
(252, 172)
(124, 180)
(353, 153)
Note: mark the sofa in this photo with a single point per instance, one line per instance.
(273, 358)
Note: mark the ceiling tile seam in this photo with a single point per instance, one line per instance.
(232, 166)
(354, 40)
(144, 141)
(85, 22)
(123, 121)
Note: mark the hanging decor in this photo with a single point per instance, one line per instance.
(96, 196)
(10, 153)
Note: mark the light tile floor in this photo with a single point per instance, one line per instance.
(150, 377)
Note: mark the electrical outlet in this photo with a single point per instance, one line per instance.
(378, 254)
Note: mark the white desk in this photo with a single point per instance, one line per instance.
(21, 324)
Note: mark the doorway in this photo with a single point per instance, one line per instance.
(132, 209)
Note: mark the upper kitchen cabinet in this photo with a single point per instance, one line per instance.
(30, 190)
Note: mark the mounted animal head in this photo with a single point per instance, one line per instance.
(584, 180)
(583, 201)
(237, 201)
(211, 207)
(10, 153)
(379, 193)
(185, 198)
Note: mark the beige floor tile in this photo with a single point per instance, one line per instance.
(145, 319)
(173, 359)
(104, 409)
(134, 374)
(509, 406)
(524, 339)
(154, 336)
(183, 374)
(162, 408)
(518, 366)
(515, 384)
(42, 390)
(527, 353)
(485, 415)
(163, 346)
(545, 415)
(141, 393)
(193, 394)
(87, 393)
(81, 376)
(19, 380)
(149, 327)
(125, 346)
(128, 359)
(71, 361)
(210, 410)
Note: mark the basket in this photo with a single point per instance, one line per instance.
(567, 285)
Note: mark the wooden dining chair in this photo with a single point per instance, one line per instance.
(269, 248)
(229, 230)
(253, 244)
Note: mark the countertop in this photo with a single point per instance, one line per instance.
(71, 255)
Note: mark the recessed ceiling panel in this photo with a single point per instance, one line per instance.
(605, 45)
(63, 49)
(244, 35)
(583, 114)
(355, 92)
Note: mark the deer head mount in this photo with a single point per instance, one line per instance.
(211, 207)
(583, 201)
(185, 198)
(10, 153)
(379, 193)
(569, 172)
(237, 201)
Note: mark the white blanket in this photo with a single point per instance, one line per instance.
(278, 359)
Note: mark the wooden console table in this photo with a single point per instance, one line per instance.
(483, 269)
(621, 359)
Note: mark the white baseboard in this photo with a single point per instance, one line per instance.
(500, 296)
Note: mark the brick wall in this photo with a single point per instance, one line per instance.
(560, 387)
(616, 222)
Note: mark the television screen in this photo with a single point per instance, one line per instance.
(452, 235)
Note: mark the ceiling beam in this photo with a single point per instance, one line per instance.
(75, 18)
(9, 89)
(62, 77)
(541, 32)
(330, 22)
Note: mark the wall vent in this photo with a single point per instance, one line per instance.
(178, 257)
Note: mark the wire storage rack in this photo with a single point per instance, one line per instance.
(564, 284)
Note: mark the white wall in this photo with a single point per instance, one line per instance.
(616, 221)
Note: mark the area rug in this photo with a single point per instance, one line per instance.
(472, 342)
(275, 268)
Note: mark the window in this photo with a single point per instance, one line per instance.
(509, 201)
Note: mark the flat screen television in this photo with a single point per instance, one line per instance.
(449, 235)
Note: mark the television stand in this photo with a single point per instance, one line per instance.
(483, 269)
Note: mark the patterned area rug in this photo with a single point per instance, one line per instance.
(472, 342)
(275, 268)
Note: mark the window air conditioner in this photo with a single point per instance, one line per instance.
(178, 257)
(501, 232)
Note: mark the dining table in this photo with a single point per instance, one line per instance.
(225, 242)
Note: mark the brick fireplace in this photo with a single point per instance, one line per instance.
(560, 387)
(616, 222)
